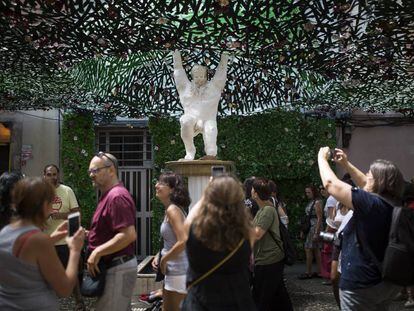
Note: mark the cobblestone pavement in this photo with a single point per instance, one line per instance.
(306, 295)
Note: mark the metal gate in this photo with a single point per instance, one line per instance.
(133, 149)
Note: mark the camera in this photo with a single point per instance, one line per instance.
(332, 154)
(331, 237)
(217, 170)
(327, 236)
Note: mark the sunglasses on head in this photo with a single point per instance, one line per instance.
(102, 154)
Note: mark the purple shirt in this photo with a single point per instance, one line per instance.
(115, 211)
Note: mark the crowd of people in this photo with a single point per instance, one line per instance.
(226, 253)
(39, 262)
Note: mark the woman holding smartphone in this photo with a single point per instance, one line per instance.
(31, 273)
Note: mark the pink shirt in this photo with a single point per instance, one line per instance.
(115, 211)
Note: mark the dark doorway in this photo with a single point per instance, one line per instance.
(4, 158)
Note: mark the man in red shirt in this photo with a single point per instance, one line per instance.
(112, 234)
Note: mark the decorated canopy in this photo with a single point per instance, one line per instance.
(115, 56)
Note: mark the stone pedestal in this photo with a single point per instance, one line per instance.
(198, 173)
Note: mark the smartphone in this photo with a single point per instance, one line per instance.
(217, 170)
(332, 154)
(73, 223)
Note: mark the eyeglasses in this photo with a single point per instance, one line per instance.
(95, 171)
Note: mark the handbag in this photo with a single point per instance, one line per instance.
(216, 266)
(159, 276)
(93, 286)
(305, 221)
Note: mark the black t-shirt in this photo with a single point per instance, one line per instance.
(225, 289)
(201, 259)
(372, 220)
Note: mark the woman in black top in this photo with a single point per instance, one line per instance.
(217, 225)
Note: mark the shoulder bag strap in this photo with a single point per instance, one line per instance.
(216, 266)
(23, 238)
(312, 207)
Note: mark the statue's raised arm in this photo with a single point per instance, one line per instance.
(219, 79)
(180, 77)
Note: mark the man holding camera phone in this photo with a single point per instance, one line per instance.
(64, 204)
(112, 235)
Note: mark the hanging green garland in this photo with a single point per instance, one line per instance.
(78, 139)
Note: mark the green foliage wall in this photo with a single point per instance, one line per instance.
(279, 145)
(78, 140)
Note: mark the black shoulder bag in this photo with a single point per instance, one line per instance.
(160, 276)
(287, 244)
(93, 286)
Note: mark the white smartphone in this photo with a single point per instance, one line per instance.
(73, 223)
(217, 170)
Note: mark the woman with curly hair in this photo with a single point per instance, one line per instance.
(173, 194)
(219, 227)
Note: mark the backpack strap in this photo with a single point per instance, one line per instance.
(361, 238)
(23, 238)
(395, 215)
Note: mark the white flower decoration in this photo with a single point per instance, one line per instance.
(75, 138)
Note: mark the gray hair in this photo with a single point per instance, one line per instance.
(388, 180)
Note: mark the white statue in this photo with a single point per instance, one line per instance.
(199, 99)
